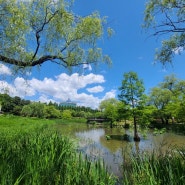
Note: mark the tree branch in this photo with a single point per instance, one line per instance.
(55, 59)
(37, 34)
(31, 63)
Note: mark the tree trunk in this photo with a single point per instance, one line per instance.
(111, 124)
(167, 121)
(163, 120)
(136, 136)
(173, 120)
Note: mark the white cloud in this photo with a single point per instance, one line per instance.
(110, 94)
(87, 100)
(87, 66)
(178, 50)
(23, 88)
(5, 87)
(20, 88)
(4, 70)
(44, 99)
(95, 89)
(59, 89)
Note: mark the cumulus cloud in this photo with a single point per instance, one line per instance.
(23, 88)
(59, 89)
(4, 70)
(45, 99)
(110, 94)
(95, 89)
(5, 87)
(19, 87)
(88, 100)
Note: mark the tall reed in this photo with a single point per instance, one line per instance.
(43, 156)
(154, 169)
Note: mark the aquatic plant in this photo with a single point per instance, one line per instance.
(108, 137)
(159, 131)
(154, 169)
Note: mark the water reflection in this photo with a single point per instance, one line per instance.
(93, 142)
(93, 135)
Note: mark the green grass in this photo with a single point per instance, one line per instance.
(23, 123)
(155, 169)
(31, 152)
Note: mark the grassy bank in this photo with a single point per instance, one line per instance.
(31, 152)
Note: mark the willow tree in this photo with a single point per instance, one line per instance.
(131, 94)
(33, 32)
(109, 108)
(166, 18)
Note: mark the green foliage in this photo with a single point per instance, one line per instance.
(12, 104)
(35, 32)
(132, 89)
(66, 114)
(159, 131)
(146, 116)
(51, 112)
(80, 111)
(123, 110)
(111, 101)
(168, 98)
(17, 106)
(166, 17)
(78, 114)
(34, 109)
(99, 114)
(26, 111)
(151, 169)
(160, 97)
(108, 137)
(111, 112)
(132, 93)
(17, 110)
(109, 108)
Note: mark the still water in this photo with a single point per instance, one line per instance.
(92, 142)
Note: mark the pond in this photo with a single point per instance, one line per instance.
(93, 142)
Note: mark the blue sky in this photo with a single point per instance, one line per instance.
(130, 48)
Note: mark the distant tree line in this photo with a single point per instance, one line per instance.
(17, 106)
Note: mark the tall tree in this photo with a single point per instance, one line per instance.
(105, 103)
(167, 17)
(170, 82)
(34, 32)
(175, 107)
(160, 98)
(123, 111)
(51, 112)
(132, 90)
(109, 108)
